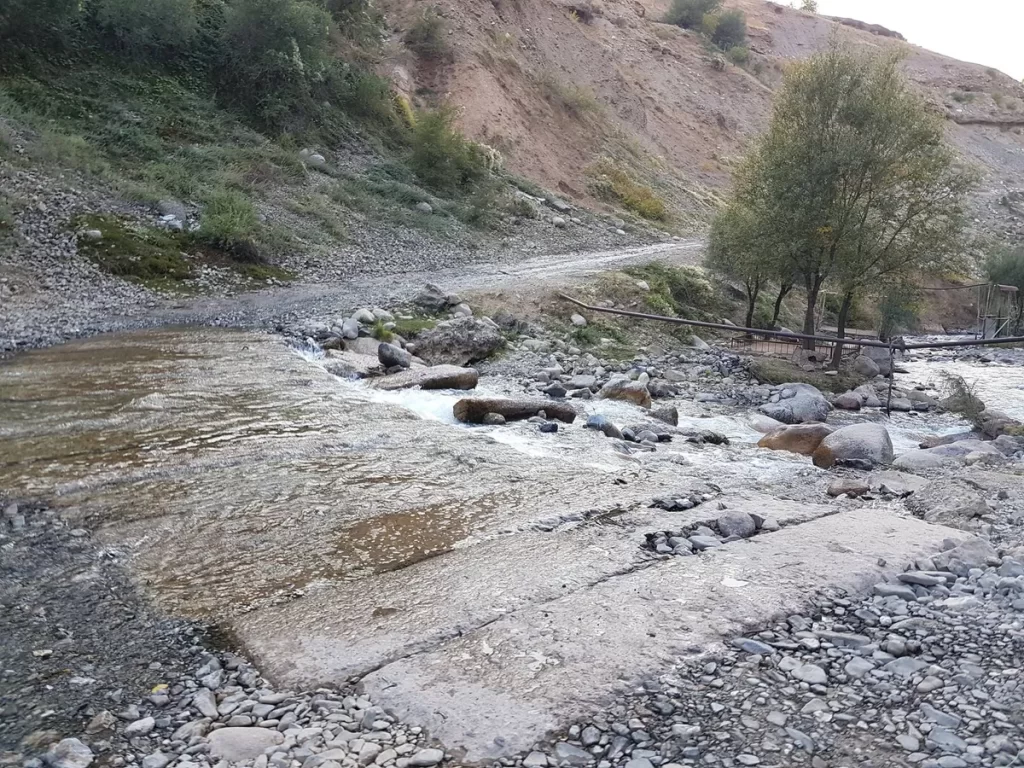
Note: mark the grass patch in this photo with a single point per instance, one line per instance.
(410, 327)
(381, 333)
(678, 291)
(613, 184)
(6, 215)
(773, 370)
(575, 100)
(427, 37)
(145, 255)
(160, 259)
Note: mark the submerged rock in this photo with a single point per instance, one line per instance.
(472, 410)
(604, 425)
(862, 442)
(798, 404)
(628, 390)
(432, 377)
(796, 438)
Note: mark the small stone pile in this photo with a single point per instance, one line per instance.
(732, 525)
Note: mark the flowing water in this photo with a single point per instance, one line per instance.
(237, 472)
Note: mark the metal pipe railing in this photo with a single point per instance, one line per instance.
(850, 341)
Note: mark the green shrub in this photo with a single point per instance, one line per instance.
(571, 98)
(34, 25)
(962, 398)
(427, 35)
(809, 5)
(615, 185)
(230, 222)
(274, 53)
(149, 27)
(738, 55)
(690, 14)
(730, 31)
(442, 157)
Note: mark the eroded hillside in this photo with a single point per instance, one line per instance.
(570, 91)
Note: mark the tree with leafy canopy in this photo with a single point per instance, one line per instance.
(733, 252)
(854, 178)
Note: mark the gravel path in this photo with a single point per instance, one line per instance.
(49, 293)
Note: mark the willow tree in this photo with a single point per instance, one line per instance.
(853, 178)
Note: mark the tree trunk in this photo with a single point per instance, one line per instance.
(813, 285)
(844, 310)
(752, 294)
(784, 289)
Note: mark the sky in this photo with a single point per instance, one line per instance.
(986, 32)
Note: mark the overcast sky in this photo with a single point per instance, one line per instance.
(989, 32)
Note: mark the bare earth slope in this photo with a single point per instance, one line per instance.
(557, 85)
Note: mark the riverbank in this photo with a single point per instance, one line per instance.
(424, 559)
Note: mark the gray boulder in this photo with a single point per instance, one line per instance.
(735, 522)
(880, 357)
(920, 459)
(391, 356)
(798, 404)
(433, 299)
(669, 414)
(947, 501)
(459, 341)
(866, 367)
(848, 401)
(864, 442)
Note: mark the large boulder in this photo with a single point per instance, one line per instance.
(798, 404)
(862, 442)
(628, 390)
(848, 401)
(949, 454)
(472, 410)
(391, 356)
(432, 377)
(796, 438)
(433, 299)
(880, 357)
(866, 367)
(460, 341)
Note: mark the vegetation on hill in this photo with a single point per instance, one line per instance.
(727, 29)
(851, 187)
(210, 101)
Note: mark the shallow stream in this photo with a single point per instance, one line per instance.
(235, 470)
